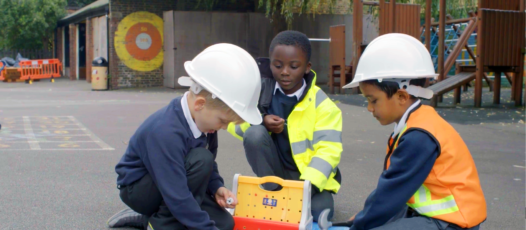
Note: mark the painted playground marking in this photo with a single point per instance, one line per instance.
(48, 133)
(30, 134)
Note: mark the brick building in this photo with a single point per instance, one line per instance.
(131, 34)
(90, 32)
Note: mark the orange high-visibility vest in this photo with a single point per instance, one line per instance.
(452, 191)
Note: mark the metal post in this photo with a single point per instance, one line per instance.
(457, 94)
(496, 88)
(428, 25)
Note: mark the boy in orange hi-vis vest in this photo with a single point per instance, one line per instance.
(429, 180)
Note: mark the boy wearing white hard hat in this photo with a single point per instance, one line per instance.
(429, 179)
(168, 175)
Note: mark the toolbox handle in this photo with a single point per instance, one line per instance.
(271, 179)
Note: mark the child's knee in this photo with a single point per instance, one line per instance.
(255, 135)
(199, 157)
(224, 220)
(228, 223)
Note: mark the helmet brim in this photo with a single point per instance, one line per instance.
(356, 83)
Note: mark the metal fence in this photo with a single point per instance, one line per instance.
(30, 54)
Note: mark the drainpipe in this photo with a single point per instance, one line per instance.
(110, 86)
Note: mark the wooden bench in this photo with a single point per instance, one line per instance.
(449, 84)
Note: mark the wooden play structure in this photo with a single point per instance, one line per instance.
(403, 18)
(499, 27)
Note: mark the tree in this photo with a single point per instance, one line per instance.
(29, 24)
(80, 3)
(284, 10)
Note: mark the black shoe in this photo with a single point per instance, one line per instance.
(127, 218)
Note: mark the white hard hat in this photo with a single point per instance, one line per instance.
(229, 73)
(396, 57)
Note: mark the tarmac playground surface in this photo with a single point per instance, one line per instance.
(60, 142)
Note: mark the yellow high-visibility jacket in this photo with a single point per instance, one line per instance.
(314, 130)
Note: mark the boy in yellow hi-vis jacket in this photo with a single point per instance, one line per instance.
(300, 138)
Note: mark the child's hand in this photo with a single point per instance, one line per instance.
(273, 123)
(222, 196)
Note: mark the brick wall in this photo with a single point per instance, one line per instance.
(73, 52)
(89, 48)
(121, 75)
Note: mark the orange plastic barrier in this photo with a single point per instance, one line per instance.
(2, 67)
(40, 69)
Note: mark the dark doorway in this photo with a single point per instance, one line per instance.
(82, 51)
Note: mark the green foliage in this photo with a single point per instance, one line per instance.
(80, 3)
(213, 4)
(455, 8)
(286, 8)
(29, 24)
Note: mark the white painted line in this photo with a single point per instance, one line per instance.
(94, 137)
(48, 116)
(30, 135)
(51, 129)
(519, 166)
(49, 141)
(67, 135)
(38, 124)
(109, 149)
(51, 118)
(50, 123)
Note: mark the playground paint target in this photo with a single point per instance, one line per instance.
(139, 41)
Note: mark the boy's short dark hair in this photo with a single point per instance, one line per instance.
(390, 87)
(292, 38)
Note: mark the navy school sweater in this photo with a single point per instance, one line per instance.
(159, 147)
(282, 105)
(411, 163)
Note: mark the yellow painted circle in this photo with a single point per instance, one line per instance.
(148, 22)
